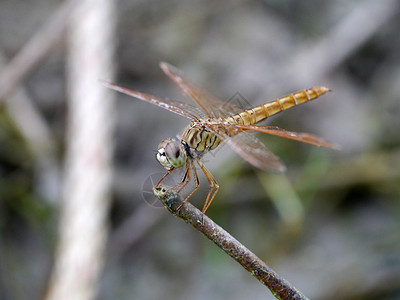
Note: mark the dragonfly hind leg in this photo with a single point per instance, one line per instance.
(213, 184)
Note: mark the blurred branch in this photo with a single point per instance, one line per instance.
(22, 109)
(37, 134)
(279, 287)
(86, 196)
(35, 50)
(29, 120)
(319, 57)
(345, 38)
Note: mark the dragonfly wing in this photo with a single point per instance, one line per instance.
(252, 150)
(209, 104)
(180, 108)
(297, 136)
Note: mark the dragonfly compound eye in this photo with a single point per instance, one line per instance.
(171, 154)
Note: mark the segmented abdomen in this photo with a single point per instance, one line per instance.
(260, 113)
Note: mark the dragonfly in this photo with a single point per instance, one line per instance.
(212, 122)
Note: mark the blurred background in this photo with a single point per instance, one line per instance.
(77, 220)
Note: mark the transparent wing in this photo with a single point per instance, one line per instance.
(251, 150)
(297, 136)
(209, 104)
(180, 108)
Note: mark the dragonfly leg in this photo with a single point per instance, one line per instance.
(195, 189)
(213, 184)
(185, 180)
(165, 176)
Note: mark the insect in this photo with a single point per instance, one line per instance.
(213, 122)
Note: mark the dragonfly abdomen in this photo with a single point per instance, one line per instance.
(260, 113)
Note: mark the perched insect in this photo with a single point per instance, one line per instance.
(213, 122)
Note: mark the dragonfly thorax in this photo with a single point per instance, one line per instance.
(171, 154)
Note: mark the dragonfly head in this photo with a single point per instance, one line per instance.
(171, 154)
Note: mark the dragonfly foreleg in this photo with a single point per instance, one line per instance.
(185, 180)
(165, 176)
(195, 189)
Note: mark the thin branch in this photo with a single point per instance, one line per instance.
(279, 287)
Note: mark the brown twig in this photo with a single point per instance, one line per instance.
(279, 287)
